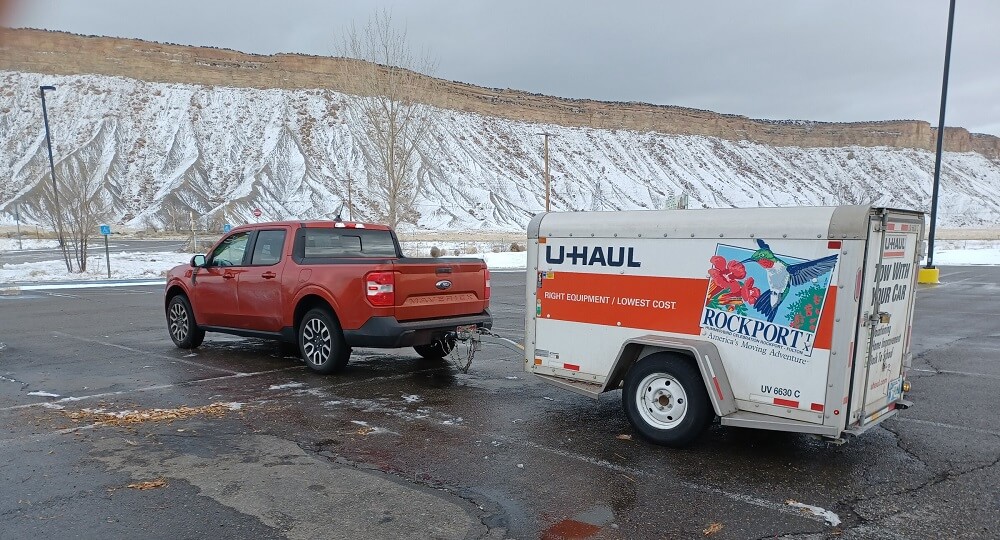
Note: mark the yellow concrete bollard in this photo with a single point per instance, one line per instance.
(928, 275)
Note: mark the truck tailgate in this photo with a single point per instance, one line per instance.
(436, 288)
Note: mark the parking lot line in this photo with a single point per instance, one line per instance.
(980, 431)
(951, 372)
(739, 497)
(147, 353)
(71, 399)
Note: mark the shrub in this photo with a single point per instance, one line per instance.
(515, 247)
(435, 252)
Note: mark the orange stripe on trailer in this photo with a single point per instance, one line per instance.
(824, 334)
(571, 367)
(718, 388)
(538, 361)
(786, 403)
(667, 304)
(818, 407)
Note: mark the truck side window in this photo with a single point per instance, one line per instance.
(267, 249)
(230, 251)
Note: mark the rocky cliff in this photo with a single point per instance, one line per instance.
(61, 53)
(165, 132)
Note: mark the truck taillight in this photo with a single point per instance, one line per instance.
(486, 294)
(379, 287)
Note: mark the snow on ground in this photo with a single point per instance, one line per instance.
(11, 244)
(154, 266)
(124, 265)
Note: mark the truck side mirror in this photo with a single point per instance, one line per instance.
(198, 261)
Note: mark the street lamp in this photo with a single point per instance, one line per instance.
(52, 167)
(929, 274)
(547, 177)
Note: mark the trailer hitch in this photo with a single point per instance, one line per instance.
(469, 340)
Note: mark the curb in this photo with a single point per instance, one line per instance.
(10, 291)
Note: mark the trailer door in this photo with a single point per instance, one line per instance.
(886, 314)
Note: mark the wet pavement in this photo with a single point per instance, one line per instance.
(400, 447)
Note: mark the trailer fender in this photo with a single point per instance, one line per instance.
(705, 355)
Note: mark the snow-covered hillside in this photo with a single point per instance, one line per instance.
(161, 151)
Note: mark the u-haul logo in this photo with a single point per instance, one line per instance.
(592, 256)
(893, 247)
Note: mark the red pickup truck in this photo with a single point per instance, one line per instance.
(326, 286)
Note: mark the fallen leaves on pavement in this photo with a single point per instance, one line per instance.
(149, 484)
(712, 529)
(127, 418)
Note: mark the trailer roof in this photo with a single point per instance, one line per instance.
(802, 222)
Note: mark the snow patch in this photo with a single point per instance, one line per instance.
(42, 394)
(286, 385)
(831, 518)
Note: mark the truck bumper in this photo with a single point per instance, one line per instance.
(388, 333)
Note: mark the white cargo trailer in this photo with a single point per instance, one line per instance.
(790, 319)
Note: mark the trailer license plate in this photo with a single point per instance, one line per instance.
(895, 389)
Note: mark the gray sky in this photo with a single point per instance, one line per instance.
(830, 60)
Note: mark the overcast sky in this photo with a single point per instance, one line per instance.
(830, 60)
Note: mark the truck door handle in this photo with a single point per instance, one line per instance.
(443, 270)
(269, 275)
(228, 275)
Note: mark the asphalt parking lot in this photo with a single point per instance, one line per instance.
(398, 447)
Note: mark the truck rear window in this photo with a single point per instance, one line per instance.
(339, 243)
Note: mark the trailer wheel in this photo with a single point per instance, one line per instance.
(665, 400)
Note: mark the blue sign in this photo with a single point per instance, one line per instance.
(105, 229)
(226, 228)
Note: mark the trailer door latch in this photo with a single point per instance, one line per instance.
(881, 317)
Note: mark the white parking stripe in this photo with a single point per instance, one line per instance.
(147, 388)
(147, 353)
(980, 431)
(740, 497)
(950, 372)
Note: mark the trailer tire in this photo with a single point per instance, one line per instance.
(664, 399)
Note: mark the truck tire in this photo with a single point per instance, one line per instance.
(437, 349)
(181, 326)
(321, 342)
(665, 400)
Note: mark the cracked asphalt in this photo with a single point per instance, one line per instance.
(398, 447)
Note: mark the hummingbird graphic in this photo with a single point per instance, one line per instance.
(782, 276)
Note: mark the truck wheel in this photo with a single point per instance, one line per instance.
(437, 349)
(665, 400)
(181, 325)
(321, 342)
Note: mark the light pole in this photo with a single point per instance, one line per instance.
(547, 178)
(55, 187)
(929, 274)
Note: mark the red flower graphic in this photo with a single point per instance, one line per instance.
(725, 283)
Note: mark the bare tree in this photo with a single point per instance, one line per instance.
(392, 128)
(83, 207)
(845, 192)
